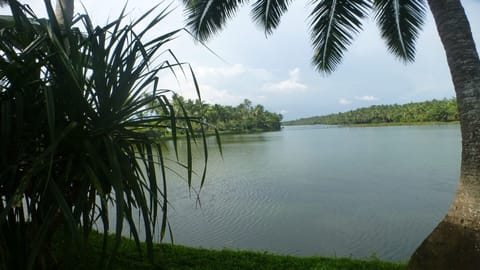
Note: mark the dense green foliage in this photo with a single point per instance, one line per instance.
(73, 154)
(179, 258)
(232, 119)
(428, 111)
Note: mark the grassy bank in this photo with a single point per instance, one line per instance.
(179, 257)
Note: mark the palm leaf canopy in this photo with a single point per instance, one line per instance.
(333, 26)
(267, 13)
(400, 22)
(206, 17)
(333, 23)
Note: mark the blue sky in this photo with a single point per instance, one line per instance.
(277, 71)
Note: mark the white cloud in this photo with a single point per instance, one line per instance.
(218, 85)
(223, 71)
(210, 94)
(228, 72)
(292, 84)
(347, 101)
(283, 112)
(367, 98)
(344, 101)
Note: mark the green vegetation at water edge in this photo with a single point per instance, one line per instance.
(243, 118)
(180, 257)
(412, 113)
(73, 154)
(427, 123)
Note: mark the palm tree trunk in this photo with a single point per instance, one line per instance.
(455, 242)
(64, 12)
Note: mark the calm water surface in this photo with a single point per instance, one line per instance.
(313, 190)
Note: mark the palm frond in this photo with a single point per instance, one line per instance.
(267, 13)
(207, 17)
(400, 22)
(334, 23)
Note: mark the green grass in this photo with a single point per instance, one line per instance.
(183, 258)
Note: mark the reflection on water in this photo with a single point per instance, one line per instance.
(322, 191)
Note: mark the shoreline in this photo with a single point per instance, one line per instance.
(390, 124)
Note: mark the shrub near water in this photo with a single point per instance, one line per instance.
(72, 147)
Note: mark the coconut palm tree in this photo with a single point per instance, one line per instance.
(455, 242)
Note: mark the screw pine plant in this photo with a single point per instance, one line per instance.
(73, 150)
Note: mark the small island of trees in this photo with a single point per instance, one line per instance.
(243, 118)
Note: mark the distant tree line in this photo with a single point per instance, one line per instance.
(242, 118)
(428, 111)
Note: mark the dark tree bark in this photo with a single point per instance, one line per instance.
(455, 242)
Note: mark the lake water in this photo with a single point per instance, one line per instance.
(328, 191)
